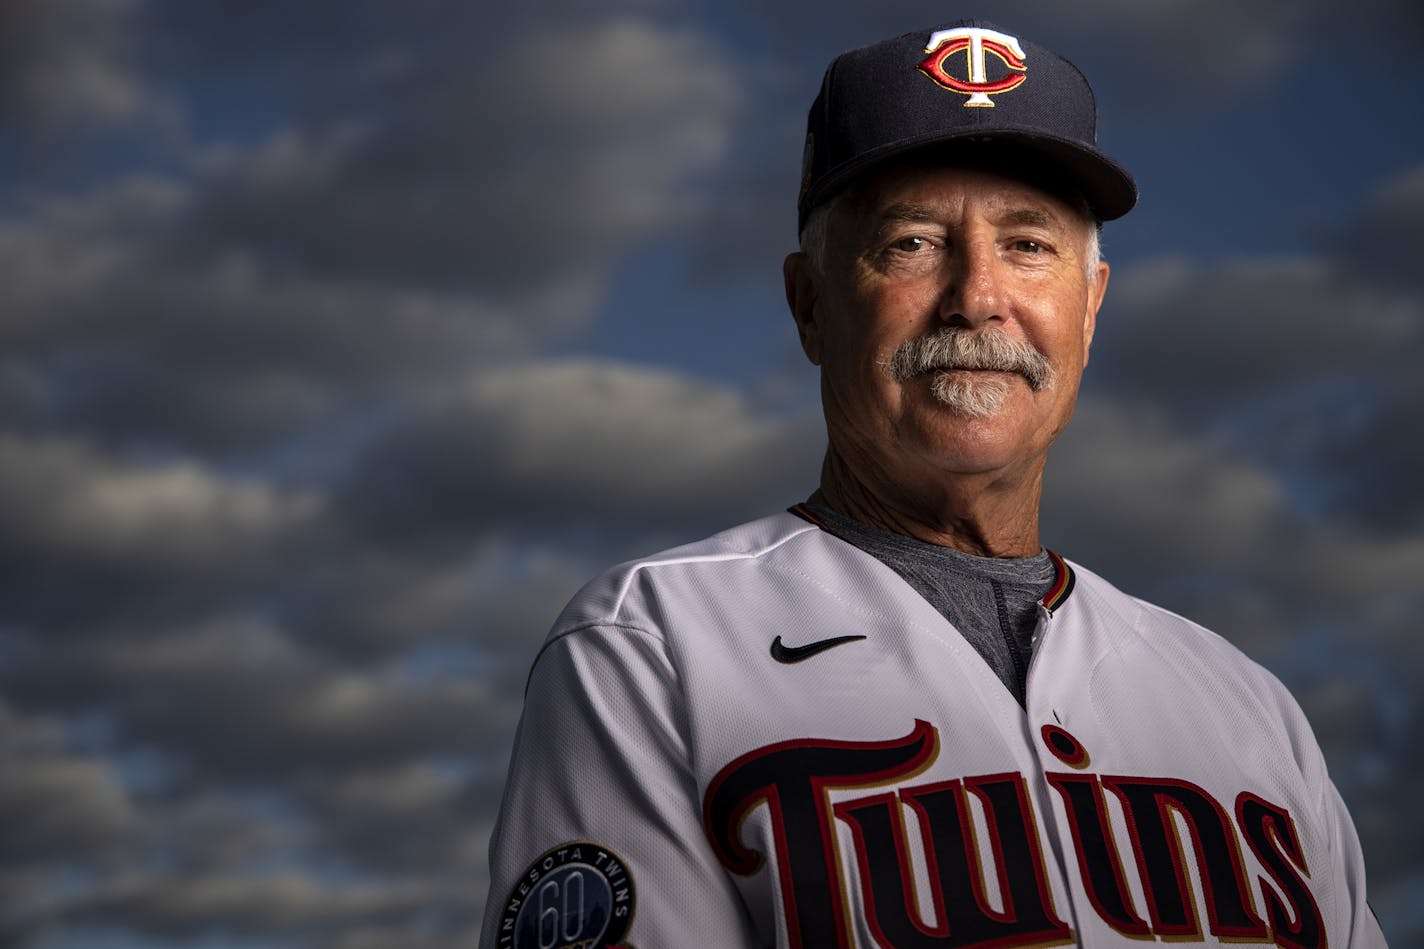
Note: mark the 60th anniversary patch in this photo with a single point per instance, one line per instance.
(578, 895)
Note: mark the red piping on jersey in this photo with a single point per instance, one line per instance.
(1063, 580)
(1062, 584)
(804, 512)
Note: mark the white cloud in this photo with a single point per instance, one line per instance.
(66, 497)
(619, 429)
(635, 449)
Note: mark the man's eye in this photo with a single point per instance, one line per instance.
(911, 245)
(1028, 247)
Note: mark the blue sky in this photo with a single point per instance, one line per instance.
(340, 343)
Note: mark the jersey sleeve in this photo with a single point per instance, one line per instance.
(1349, 918)
(1364, 927)
(600, 824)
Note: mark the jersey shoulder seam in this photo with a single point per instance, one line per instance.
(637, 567)
(597, 624)
(562, 634)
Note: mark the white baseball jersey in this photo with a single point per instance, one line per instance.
(769, 739)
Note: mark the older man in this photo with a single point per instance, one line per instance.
(890, 717)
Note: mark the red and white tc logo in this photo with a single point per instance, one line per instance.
(946, 43)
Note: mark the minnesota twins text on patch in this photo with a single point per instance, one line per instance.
(578, 895)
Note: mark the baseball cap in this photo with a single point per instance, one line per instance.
(964, 82)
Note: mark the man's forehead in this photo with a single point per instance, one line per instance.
(931, 191)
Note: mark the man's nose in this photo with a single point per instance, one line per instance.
(973, 294)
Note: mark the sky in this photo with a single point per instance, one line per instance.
(340, 343)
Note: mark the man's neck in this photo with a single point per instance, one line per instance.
(976, 514)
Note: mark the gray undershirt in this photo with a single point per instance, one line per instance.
(993, 602)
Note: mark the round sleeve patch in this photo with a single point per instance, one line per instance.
(578, 895)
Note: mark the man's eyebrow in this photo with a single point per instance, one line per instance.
(1029, 217)
(902, 213)
(914, 213)
(908, 211)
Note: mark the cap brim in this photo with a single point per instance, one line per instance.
(1107, 187)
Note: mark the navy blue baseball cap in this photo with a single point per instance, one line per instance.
(963, 83)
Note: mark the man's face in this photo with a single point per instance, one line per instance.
(923, 249)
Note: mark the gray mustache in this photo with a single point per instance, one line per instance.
(955, 348)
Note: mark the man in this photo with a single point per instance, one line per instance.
(890, 717)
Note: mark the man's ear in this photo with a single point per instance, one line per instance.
(1097, 288)
(801, 295)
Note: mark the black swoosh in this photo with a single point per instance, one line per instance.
(789, 654)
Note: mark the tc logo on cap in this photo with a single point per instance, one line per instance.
(946, 43)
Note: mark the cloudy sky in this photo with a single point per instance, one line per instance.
(341, 342)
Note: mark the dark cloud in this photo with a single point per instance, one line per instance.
(1369, 468)
(1370, 471)
(307, 278)
(1380, 243)
(65, 62)
(1224, 340)
(566, 445)
(462, 191)
(1305, 363)
(1125, 481)
(53, 800)
(188, 907)
(240, 701)
(106, 339)
(1159, 59)
(415, 819)
(93, 541)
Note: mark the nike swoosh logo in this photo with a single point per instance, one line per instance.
(789, 654)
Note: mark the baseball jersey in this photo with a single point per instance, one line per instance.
(768, 738)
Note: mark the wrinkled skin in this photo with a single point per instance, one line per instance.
(911, 250)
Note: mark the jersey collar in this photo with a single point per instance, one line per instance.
(1063, 581)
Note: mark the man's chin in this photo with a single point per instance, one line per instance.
(972, 395)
